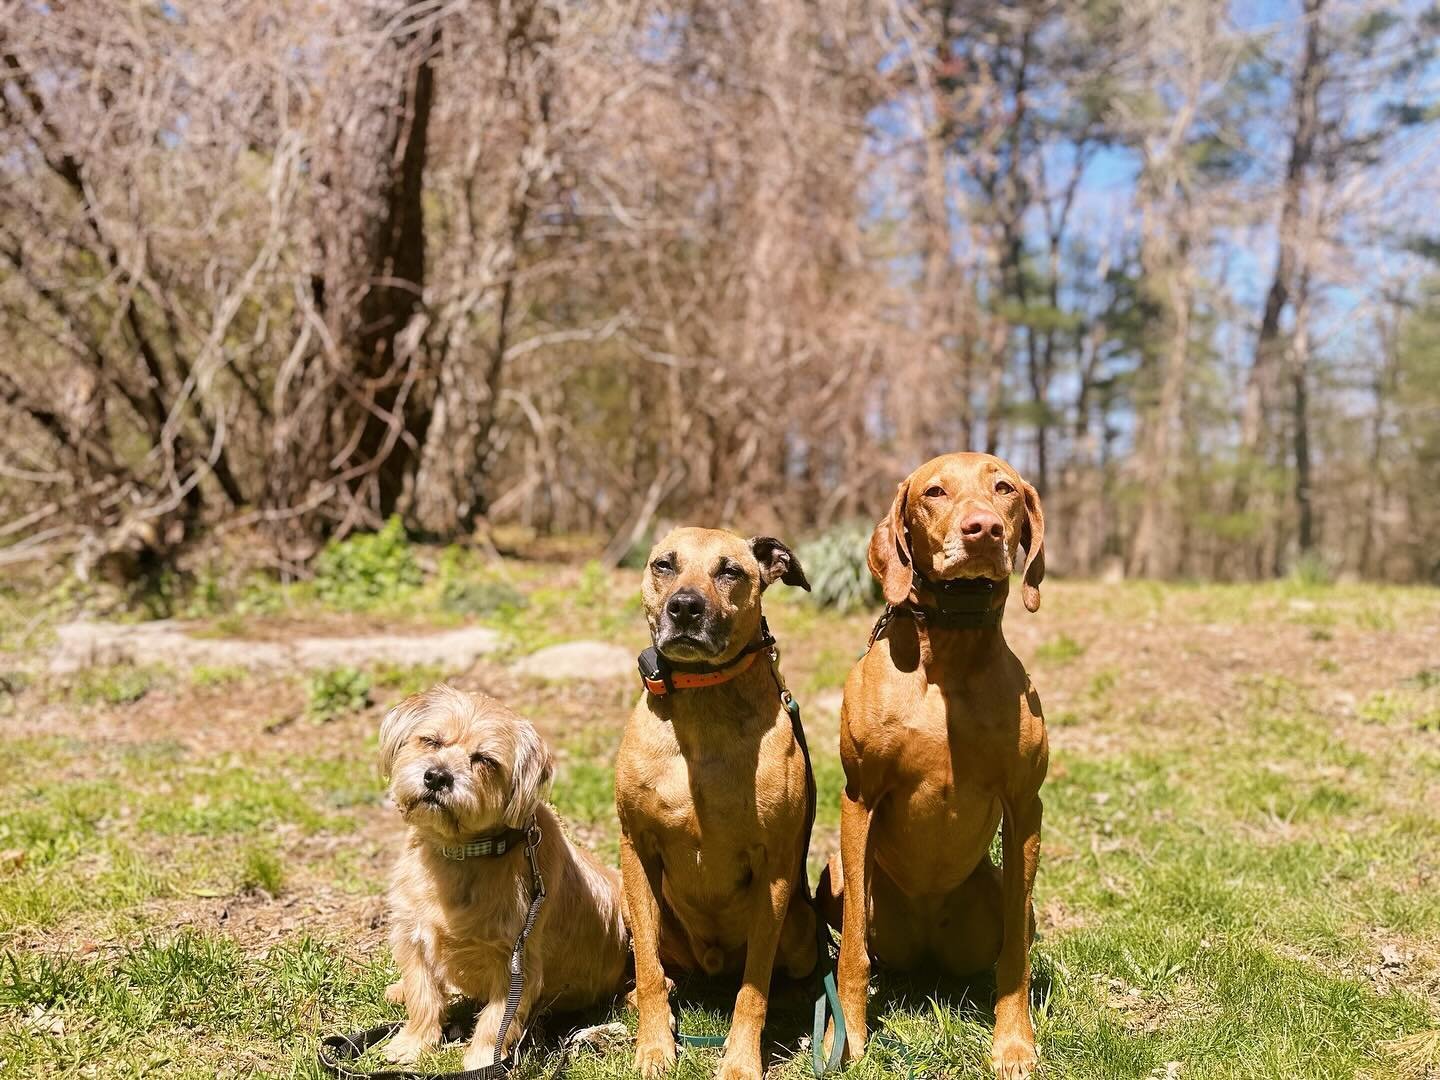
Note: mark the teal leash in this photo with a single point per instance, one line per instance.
(702, 1041)
(827, 1004)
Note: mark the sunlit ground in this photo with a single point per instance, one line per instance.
(1238, 875)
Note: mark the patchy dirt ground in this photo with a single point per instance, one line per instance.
(1238, 874)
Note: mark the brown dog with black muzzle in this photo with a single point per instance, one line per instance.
(712, 794)
(941, 738)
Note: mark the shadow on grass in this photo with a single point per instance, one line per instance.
(924, 1024)
(704, 1006)
(921, 1025)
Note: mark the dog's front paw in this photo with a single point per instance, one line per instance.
(655, 1057)
(1014, 1058)
(739, 1070)
(405, 1048)
(395, 993)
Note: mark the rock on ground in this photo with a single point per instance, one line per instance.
(593, 660)
(87, 644)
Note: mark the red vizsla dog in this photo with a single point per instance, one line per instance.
(942, 738)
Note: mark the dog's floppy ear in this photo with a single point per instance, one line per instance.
(399, 722)
(777, 562)
(1032, 539)
(529, 774)
(889, 554)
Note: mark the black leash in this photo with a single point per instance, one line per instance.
(336, 1051)
(827, 1003)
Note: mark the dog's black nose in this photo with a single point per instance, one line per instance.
(438, 779)
(685, 607)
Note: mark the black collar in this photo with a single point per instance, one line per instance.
(960, 604)
(659, 674)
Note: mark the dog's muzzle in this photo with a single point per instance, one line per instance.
(688, 629)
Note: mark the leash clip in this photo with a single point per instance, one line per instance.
(532, 848)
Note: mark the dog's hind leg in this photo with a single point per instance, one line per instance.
(797, 939)
(968, 934)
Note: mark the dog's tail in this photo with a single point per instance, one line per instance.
(830, 893)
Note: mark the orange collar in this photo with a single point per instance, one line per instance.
(660, 676)
(680, 680)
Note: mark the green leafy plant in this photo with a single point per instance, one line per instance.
(367, 569)
(402, 680)
(835, 564)
(207, 676)
(338, 692)
(638, 553)
(119, 685)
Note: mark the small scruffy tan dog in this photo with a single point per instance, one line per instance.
(468, 775)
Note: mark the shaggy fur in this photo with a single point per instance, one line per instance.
(455, 922)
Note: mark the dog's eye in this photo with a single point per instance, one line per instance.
(1004, 488)
(663, 566)
(934, 491)
(478, 758)
(428, 742)
(730, 573)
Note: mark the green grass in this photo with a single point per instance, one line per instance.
(1225, 856)
(263, 870)
(188, 1005)
(155, 822)
(217, 676)
(402, 680)
(1060, 650)
(118, 685)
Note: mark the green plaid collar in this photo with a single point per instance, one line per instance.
(485, 846)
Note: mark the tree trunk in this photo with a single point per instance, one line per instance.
(1300, 406)
(1269, 349)
(372, 294)
(1151, 555)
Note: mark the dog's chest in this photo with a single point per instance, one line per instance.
(708, 802)
(699, 795)
(946, 776)
(666, 800)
